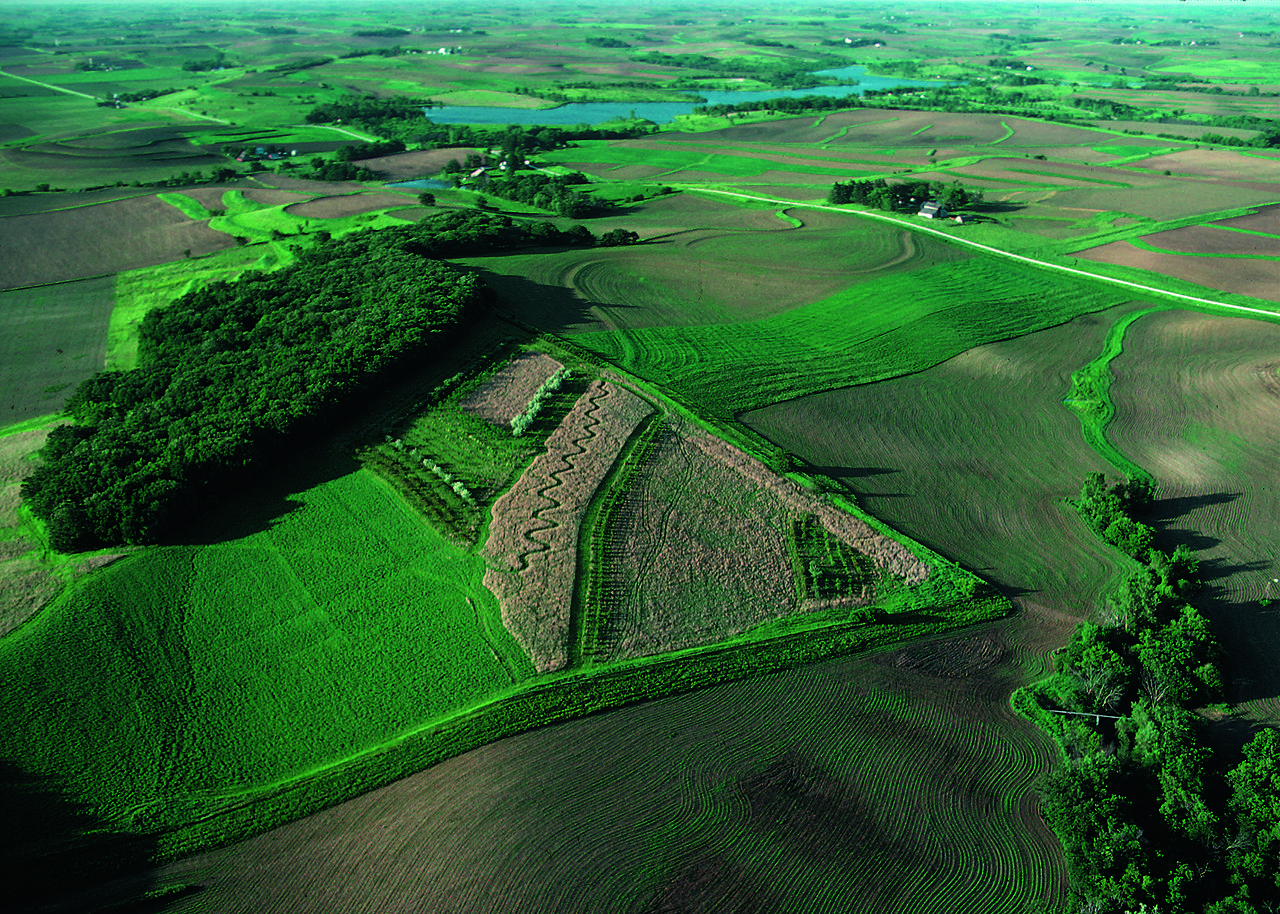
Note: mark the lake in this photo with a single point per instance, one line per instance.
(660, 112)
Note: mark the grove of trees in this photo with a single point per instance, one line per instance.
(234, 375)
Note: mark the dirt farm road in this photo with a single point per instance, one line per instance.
(917, 227)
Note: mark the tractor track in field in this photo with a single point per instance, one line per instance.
(1008, 255)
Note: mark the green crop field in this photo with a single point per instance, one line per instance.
(340, 626)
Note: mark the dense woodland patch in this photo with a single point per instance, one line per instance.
(234, 374)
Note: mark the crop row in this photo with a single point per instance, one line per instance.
(533, 538)
(887, 553)
(445, 503)
(600, 591)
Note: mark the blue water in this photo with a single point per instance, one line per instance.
(659, 112)
(424, 184)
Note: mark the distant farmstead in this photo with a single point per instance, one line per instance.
(933, 210)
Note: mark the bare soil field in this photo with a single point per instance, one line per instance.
(1172, 200)
(271, 197)
(1223, 165)
(507, 393)
(1198, 405)
(421, 163)
(51, 339)
(336, 207)
(1247, 277)
(1205, 239)
(860, 784)
(532, 547)
(104, 238)
(974, 458)
(310, 188)
(28, 204)
(1266, 219)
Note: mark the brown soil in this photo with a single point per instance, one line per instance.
(507, 393)
(1198, 405)
(1202, 239)
(337, 207)
(105, 238)
(1248, 277)
(422, 163)
(269, 197)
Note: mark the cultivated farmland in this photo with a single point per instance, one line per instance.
(1195, 403)
(533, 539)
(610, 657)
(701, 549)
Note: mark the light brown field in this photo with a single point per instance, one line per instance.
(532, 547)
(267, 196)
(104, 238)
(699, 553)
(421, 163)
(1247, 277)
(1205, 239)
(1198, 405)
(1223, 165)
(336, 207)
(1266, 219)
(507, 393)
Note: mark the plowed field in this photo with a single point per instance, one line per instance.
(1198, 405)
(860, 785)
(105, 238)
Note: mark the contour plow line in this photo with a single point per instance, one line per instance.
(1022, 258)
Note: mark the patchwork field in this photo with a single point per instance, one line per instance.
(702, 548)
(429, 593)
(951, 457)
(885, 779)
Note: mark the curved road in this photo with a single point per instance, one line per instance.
(917, 227)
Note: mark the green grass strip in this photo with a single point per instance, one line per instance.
(191, 207)
(1008, 132)
(1232, 228)
(922, 129)
(1148, 246)
(1090, 397)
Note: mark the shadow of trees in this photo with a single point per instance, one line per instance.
(56, 854)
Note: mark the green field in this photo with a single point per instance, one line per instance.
(346, 601)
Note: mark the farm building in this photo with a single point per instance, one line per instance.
(933, 210)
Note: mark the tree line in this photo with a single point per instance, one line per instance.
(1150, 815)
(232, 376)
(902, 196)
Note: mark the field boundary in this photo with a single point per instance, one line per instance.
(1022, 258)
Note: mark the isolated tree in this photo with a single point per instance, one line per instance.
(427, 199)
